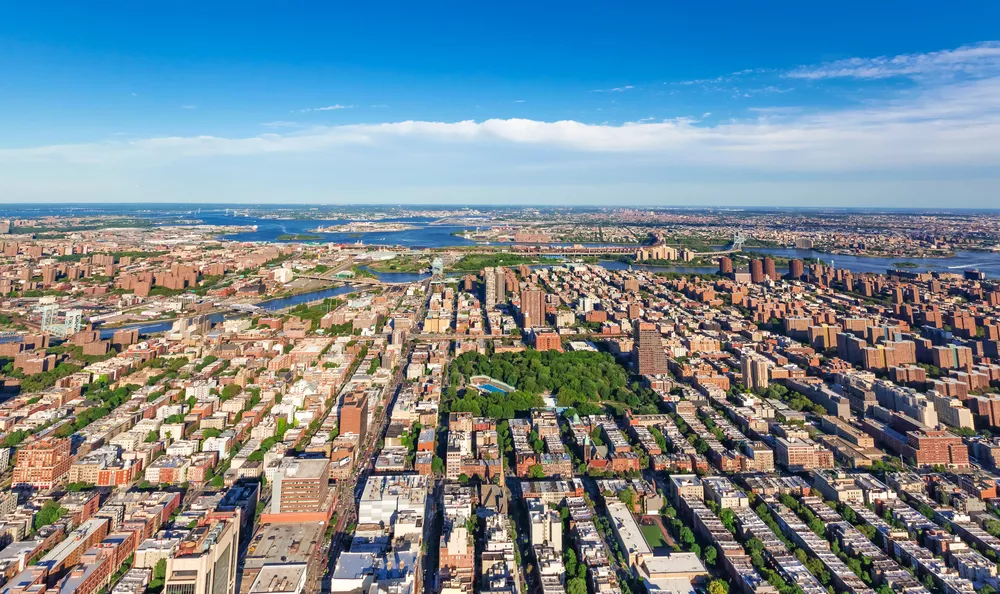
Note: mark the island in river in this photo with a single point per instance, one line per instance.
(298, 237)
(366, 227)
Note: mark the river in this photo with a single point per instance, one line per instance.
(618, 265)
(434, 236)
(988, 262)
(269, 305)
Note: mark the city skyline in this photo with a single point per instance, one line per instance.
(498, 401)
(578, 105)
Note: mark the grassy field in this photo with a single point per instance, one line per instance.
(653, 535)
(480, 261)
(404, 264)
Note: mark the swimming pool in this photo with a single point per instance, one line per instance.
(486, 383)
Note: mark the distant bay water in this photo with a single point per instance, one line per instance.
(426, 235)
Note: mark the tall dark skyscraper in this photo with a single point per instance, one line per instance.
(769, 270)
(725, 265)
(756, 271)
(796, 269)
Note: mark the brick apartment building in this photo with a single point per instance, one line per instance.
(43, 463)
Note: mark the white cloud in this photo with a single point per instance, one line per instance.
(333, 107)
(703, 81)
(281, 124)
(189, 107)
(725, 78)
(770, 89)
(945, 126)
(977, 60)
(614, 90)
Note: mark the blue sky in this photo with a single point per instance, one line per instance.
(657, 103)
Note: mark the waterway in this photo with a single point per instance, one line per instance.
(987, 262)
(398, 277)
(269, 305)
(618, 265)
(433, 236)
(425, 235)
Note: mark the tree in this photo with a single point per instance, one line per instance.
(817, 526)
(463, 478)
(576, 586)
(472, 524)
(687, 537)
(50, 513)
(536, 471)
(437, 465)
(627, 496)
(711, 556)
(569, 560)
(160, 570)
(718, 587)
(728, 518)
(816, 567)
(14, 438)
(755, 547)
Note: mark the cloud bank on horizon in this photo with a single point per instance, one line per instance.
(937, 125)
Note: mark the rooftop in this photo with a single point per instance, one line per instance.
(289, 578)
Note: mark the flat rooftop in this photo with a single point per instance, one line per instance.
(287, 578)
(673, 566)
(276, 544)
(305, 468)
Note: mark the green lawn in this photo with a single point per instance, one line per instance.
(653, 535)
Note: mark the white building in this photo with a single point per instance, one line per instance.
(384, 497)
